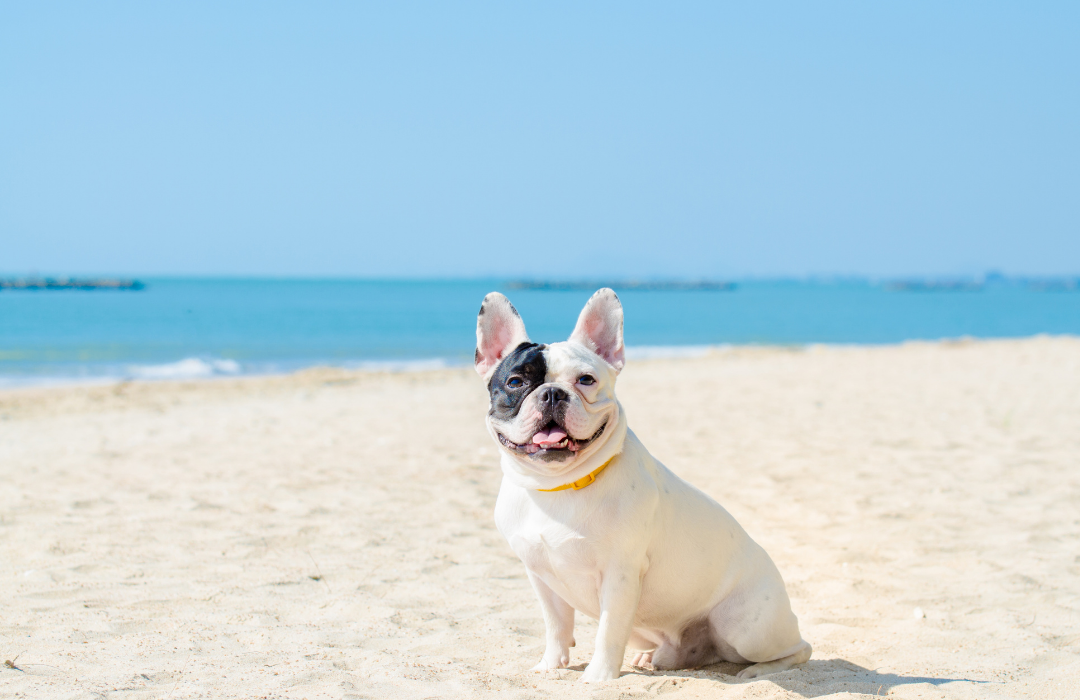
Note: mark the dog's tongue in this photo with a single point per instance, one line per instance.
(549, 436)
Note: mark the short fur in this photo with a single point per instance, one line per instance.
(663, 567)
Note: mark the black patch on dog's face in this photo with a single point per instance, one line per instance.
(526, 362)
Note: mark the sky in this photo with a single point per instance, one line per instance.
(677, 140)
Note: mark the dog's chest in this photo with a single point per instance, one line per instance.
(551, 550)
(561, 552)
(543, 543)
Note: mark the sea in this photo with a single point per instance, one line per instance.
(179, 328)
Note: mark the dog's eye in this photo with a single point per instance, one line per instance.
(514, 382)
(586, 380)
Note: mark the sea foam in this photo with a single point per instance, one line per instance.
(665, 352)
(188, 368)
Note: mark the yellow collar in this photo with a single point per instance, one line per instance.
(583, 481)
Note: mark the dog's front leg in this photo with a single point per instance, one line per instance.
(620, 590)
(559, 625)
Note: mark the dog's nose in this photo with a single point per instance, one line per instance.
(551, 395)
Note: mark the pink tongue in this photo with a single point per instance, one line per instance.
(554, 435)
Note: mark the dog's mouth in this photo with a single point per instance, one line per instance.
(552, 439)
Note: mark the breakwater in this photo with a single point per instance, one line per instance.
(50, 283)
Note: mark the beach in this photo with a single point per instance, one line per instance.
(329, 533)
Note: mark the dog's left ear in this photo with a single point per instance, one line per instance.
(599, 328)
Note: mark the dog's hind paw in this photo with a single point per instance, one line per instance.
(752, 672)
(767, 667)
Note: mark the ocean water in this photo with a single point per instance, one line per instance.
(179, 328)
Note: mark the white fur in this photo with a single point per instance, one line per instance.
(662, 566)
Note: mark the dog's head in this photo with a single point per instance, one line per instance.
(552, 406)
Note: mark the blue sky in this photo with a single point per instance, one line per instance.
(573, 139)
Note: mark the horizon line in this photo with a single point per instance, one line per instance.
(989, 275)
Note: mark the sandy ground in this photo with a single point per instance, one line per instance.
(329, 534)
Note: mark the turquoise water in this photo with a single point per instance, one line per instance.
(205, 327)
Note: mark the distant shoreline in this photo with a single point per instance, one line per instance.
(199, 369)
(54, 283)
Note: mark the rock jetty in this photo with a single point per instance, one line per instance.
(636, 285)
(38, 283)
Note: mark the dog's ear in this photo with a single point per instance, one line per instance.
(499, 329)
(599, 328)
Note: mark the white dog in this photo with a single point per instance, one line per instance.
(604, 528)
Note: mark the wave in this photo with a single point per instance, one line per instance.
(668, 352)
(429, 365)
(204, 368)
(188, 368)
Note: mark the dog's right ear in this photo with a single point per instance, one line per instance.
(499, 329)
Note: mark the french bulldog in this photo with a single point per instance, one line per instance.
(604, 528)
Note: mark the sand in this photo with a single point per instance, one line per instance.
(329, 533)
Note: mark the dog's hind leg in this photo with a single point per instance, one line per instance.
(760, 630)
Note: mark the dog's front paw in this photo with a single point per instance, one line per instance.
(595, 673)
(553, 661)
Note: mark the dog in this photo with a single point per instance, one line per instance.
(604, 528)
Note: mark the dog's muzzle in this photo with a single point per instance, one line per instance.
(566, 445)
